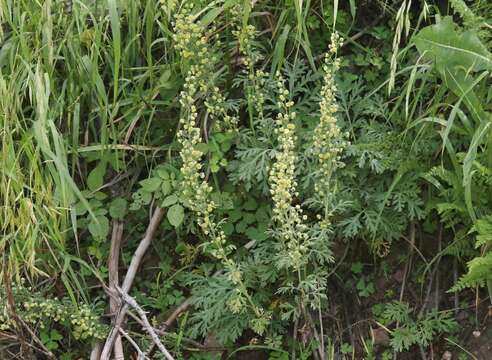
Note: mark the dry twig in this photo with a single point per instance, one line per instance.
(113, 263)
(154, 223)
(148, 327)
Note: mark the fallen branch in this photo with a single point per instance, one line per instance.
(154, 223)
(148, 327)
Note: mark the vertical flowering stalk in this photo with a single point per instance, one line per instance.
(192, 44)
(245, 34)
(328, 140)
(288, 218)
(290, 221)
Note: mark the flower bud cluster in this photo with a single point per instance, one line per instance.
(289, 218)
(192, 45)
(85, 324)
(6, 322)
(191, 41)
(168, 6)
(245, 35)
(42, 313)
(189, 38)
(328, 140)
(38, 309)
(216, 107)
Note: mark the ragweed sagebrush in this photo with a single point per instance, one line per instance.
(41, 312)
(288, 218)
(191, 39)
(328, 140)
(255, 78)
(299, 242)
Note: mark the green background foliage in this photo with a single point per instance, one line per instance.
(100, 102)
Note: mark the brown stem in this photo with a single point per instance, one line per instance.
(154, 223)
(113, 263)
(150, 330)
(19, 326)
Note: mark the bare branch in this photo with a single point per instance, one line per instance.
(113, 263)
(148, 327)
(154, 223)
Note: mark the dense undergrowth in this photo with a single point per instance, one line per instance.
(192, 179)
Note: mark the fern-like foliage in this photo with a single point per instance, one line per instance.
(480, 268)
(210, 299)
(415, 332)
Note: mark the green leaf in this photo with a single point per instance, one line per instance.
(170, 200)
(203, 147)
(256, 234)
(163, 173)
(166, 187)
(96, 176)
(80, 208)
(151, 184)
(175, 215)
(55, 335)
(99, 195)
(448, 48)
(228, 228)
(250, 204)
(278, 53)
(456, 55)
(118, 208)
(99, 228)
(357, 267)
(241, 227)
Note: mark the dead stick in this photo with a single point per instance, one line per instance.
(113, 263)
(148, 327)
(130, 277)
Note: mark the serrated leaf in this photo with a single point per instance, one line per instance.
(250, 204)
(100, 195)
(163, 173)
(80, 208)
(146, 197)
(202, 147)
(151, 184)
(96, 176)
(118, 208)
(166, 187)
(175, 215)
(170, 200)
(449, 48)
(99, 228)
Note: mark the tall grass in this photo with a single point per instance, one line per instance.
(54, 73)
